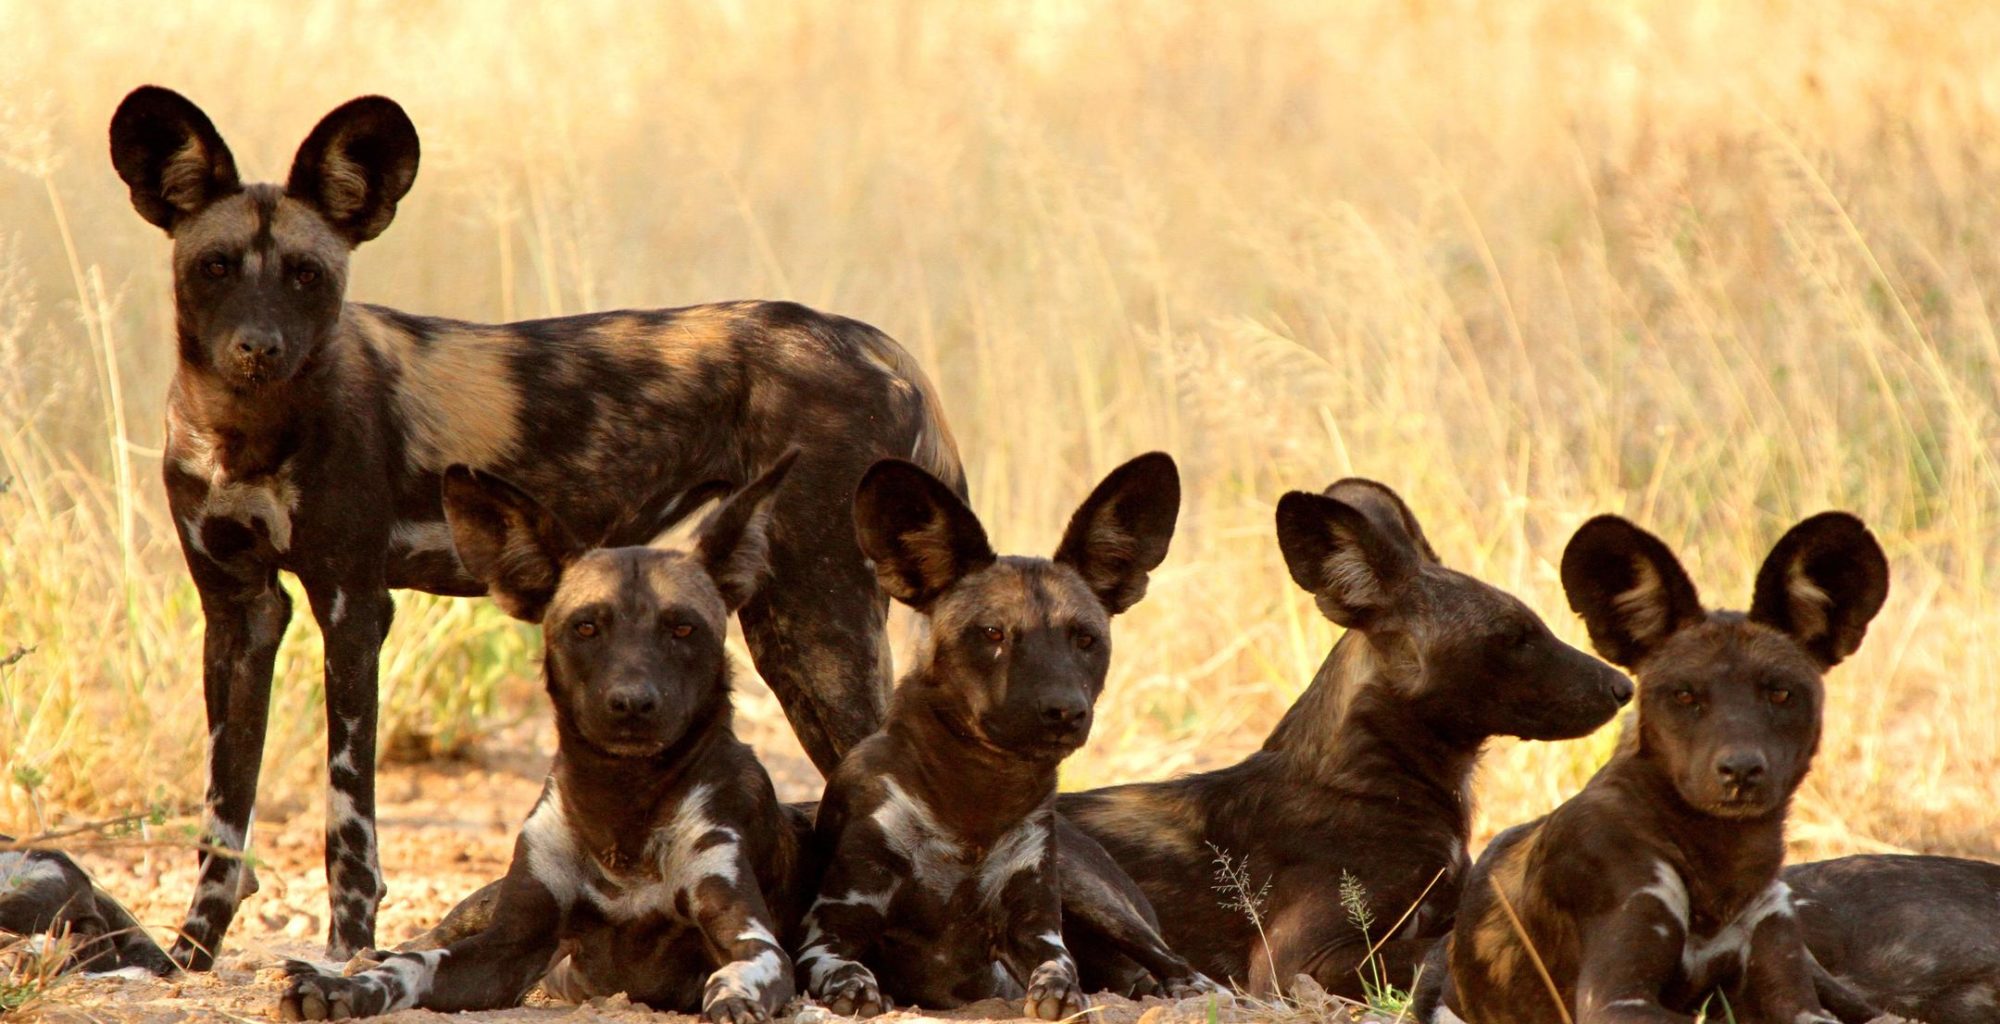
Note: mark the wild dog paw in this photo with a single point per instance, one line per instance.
(313, 994)
(1196, 984)
(851, 991)
(735, 1010)
(1053, 992)
(748, 991)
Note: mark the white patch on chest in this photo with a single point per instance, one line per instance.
(937, 863)
(553, 858)
(1021, 849)
(677, 860)
(269, 501)
(1733, 938)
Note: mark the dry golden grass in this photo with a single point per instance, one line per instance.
(1714, 266)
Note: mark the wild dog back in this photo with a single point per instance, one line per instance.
(1367, 775)
(307, 433)
(658, 853)
(941, 882)
(1914, 935)
(1658, 884)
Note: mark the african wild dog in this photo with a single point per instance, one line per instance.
(658, 855)
(44, 892)
(1656, 888)
(1913, 935)
(306, 433)
(1367, 775)
(940, 830)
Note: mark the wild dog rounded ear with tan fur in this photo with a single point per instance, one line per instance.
(1822, 583)
(1629, 588)
(170, 155)
(1352, 564)
(1386, 509)
(734, 543)
(354, 167)
(920, 536)
(507, 540)
(1120, 533)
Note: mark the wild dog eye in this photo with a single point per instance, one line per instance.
(1684, 697)
(682, 631)
(994, 634)
(1085, 641)
(215, 267)
(586, 629)
(306, 275)
(1781, 696)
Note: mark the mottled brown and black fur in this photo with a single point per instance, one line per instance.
(1367, 775)
(44, 892)
(307, 434)
(1658, 885)
(1913, 935)
(658, 858)
(943, 885)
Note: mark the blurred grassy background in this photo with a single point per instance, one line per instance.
(1712, 265)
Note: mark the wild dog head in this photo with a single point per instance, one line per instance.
(1473, 659)
(260, 270)
(632, 637)
(1729, 703)
(1018, 646)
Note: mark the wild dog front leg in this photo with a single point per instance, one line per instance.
(1107, 909)
(1031, 943)
(753, 976)
(1629, 955)
(1779, 974)
(353, 616)
(244, 613)
(490, 969)
(845, 921)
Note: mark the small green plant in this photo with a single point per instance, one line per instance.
(1728, 1012)
(1381, 995)
(1232, 880)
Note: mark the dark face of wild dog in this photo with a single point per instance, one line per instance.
(259, 270)
(632, 637)
(1729, 704)
(1477, 661)
(1019, 645)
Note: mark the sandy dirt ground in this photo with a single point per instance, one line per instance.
(445, 829)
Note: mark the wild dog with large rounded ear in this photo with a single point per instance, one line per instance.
(1353, 547)
(1822, 584)
(1120, 534)
(1629, 588)
(920, 536)
(359, 161)
(170, 155)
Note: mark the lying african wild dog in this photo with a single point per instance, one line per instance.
(306, 433)
(1657, 886)
(1367, 774)
(44, 892)
(939, 832)
(1912, 935)
(659, 855)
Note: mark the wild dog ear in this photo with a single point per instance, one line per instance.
(1120, 533)
(507, 541)
(358, 161)
(1352, 565)
(170, 155)
(918, 532)
(1386, 509)
(1822, 583)
(734, 542)
(1629, 588)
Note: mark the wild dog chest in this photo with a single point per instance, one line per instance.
(1714, 941)
(656, 885)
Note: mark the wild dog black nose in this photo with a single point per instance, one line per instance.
(632, 700)
(257, 344)
(1741, 768)
(1064, 712)
(1621, 689)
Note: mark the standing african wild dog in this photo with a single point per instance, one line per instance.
(306, 433)
(1368, 773)
(658, 854)
(1657, 885)
(941, 885)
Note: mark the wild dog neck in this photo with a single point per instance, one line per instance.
(1726, 861)
(975, 788)
(606, 788)
(1356, 730)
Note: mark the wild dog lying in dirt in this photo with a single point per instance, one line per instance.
(1367, 775)
(44, 892)
(658, 856)
(1916, 936)
(1656, 888)
(939, 831)
(306, 433)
